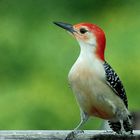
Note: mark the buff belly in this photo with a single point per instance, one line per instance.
(95, 97)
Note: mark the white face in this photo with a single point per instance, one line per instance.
(84, 36)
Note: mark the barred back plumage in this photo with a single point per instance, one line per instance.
(115, 83)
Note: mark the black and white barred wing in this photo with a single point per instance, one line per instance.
(114, 82)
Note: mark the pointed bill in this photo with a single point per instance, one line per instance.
(65, 26)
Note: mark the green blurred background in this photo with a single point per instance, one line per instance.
(35, 58)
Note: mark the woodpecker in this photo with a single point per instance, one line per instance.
(97, 88)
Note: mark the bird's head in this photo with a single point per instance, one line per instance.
(88, 35)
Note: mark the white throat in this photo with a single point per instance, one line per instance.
(88, 59)
(87, 51)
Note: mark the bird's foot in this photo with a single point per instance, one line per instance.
(72, 134)
(131, 132)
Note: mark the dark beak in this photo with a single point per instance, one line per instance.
(65, 26)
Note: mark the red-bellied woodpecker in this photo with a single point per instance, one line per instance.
(98, 89)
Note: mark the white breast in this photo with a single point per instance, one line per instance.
(85, 76)
(87, 66)
(87, 79)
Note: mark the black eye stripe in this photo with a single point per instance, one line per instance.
(83, 30)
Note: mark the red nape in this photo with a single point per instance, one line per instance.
(101, 41)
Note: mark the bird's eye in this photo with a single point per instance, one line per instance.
(83, 30)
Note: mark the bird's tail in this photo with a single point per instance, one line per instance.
(117, 126)
(127, 124)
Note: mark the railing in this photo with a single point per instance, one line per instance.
(61, 135)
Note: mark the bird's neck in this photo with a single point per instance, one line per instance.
(89, 52)
(88, 60)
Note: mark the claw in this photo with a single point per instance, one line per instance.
(70, 136)
(73, 134)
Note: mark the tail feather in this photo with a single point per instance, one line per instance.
(115, 126)
(127, 124)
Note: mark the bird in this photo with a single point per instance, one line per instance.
(98, 89)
